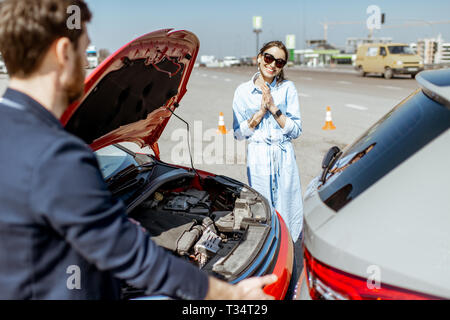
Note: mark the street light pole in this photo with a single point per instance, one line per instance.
(257, 31)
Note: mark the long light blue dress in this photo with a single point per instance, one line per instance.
(271, 165)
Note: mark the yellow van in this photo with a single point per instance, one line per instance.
(388, 59)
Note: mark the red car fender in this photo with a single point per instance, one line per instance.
(284, 265)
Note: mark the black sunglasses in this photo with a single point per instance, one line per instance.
(268, 58)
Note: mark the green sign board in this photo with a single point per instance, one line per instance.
(291, 54)
(257, 23)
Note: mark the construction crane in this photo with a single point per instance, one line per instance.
(418, 23)
(326, 24)
(405, 25)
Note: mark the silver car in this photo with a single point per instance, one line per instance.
(377, 219)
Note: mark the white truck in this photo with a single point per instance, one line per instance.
(231, 61)
(209, 61)
(92, 57)
(2, 66)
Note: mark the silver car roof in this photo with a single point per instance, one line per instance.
(436, 85)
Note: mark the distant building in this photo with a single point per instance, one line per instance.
(351, 44)
(319, 57)
(321, 53)
(426, 49)
(433, 50)
(319, 44)
(306, 57)
(445, 53)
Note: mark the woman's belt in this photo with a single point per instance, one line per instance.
(278, 143)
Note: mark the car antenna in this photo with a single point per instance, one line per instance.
(176, 105)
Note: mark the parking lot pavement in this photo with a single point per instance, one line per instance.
(356, 103)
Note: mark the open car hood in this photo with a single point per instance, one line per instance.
(130, 96)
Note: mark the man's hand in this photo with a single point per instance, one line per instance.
(248, 289)
(251, 288)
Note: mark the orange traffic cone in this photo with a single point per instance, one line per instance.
(328, 121)
(221, 128)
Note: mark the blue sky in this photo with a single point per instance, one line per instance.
(225, 27)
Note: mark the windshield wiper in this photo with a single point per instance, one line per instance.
(329, 160)
(128, 179)
(127, 174)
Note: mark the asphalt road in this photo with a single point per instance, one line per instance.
(356, 104)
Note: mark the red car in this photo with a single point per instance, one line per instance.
(221, 225)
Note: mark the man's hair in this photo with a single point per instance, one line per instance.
(29, 27)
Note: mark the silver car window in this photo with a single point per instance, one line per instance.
(397, 136)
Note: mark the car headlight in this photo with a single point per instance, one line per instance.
(421, 63)
(399, 63)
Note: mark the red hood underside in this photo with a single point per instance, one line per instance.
(130, 96)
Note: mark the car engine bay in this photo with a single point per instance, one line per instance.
(192, 225)
(214, 222)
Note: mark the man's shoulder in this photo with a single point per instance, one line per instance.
(62, 144)
(28, 134)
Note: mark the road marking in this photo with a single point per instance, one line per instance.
(227, 80)
(354, 106)
(204, 75)
(389, 87)
(344, 82)
(304, 95)
(214, 77)
(306, 78)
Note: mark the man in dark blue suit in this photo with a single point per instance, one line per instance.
(62, 235)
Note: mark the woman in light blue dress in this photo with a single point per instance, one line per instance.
(267, 113)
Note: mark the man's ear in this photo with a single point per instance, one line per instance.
(63, 52)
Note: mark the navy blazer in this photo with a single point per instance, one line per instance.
(62, 235)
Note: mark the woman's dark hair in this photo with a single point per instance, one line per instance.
(280, 45)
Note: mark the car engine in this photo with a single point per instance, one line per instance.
(187, 224)
(220, 228)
